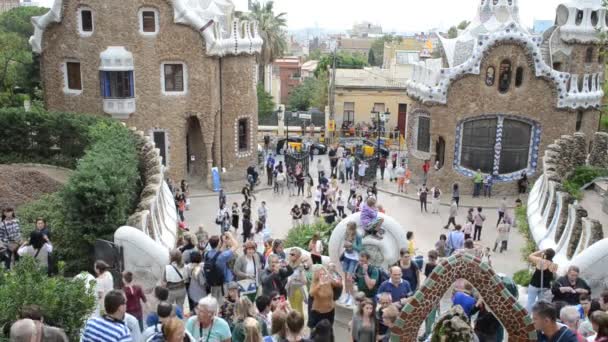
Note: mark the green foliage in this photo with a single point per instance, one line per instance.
(265, 103)
(65, 303)
(344, 60)
(522, 277)
(604, 123)
(300, 236)
(378, 48)
(18, 20)
(371, 60)
(529, 246)
(581, 176)
(308, 94)
(272, 30)
(463, 24)
(453, 32)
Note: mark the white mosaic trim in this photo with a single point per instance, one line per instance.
(249, 152)
(167, 144)
(430, 86)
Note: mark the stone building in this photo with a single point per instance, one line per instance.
(181, 71)
(7, 5)
(499, 94)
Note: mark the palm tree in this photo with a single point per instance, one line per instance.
(272, 30)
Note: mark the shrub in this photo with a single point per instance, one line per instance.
(65, 303)
(300, 236)
(581, 176)
(529, 246)
(522, 277)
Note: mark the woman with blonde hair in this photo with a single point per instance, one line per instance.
(174, 330)
(322, 293)
(173, 279)
(297, 281)
(252, 330)
(245, 311)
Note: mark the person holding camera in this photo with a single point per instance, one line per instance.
(544, 273)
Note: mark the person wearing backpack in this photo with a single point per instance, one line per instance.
(478, 223)
(217, 272)
(196, 282)
(366, 276)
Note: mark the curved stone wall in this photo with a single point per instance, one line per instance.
(558, 221)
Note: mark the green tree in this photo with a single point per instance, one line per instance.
(463, 24)
(301, 97)
(265, 103)
(378, 47)
(272, 29)
(344, 60)
(371, 60)
(453, 32)
(18, 20)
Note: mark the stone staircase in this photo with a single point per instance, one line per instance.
(545, 46)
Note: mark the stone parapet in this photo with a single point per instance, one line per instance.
(598, 156)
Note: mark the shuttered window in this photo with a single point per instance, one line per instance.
(148, 19)
(73, 75)
(174, 77)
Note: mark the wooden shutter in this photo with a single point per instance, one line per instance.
(73, 71)
(86, 18)
(148, 19)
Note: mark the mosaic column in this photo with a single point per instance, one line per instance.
(498, 145)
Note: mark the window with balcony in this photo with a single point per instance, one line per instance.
(72, 77)
(174, 78)
(349, 112)
(117, 84)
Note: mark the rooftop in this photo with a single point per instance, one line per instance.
(371, 78)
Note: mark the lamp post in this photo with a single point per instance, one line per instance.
(379, 125)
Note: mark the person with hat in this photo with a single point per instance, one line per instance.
(227, 311)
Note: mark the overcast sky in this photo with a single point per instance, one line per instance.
(393, 15)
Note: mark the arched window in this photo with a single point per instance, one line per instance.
(504, 80)
(479, 148)
(490, 76)
(579, 17)
(423, 140)
(519, 76)
(594, 19)
(589, 55)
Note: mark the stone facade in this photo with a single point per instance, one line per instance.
(495, 295)
(205, 114)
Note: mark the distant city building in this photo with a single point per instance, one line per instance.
(365, 29)
(541, 26)
(308, 69)
(355, 45)
(403, 54)
(7, 5)
(288, 70)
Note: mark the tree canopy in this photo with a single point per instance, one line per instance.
(265, 102)
(344, 60)
(378, 47)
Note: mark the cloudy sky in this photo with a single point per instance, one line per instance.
(393, 15)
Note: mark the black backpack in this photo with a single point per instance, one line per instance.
(213, 273)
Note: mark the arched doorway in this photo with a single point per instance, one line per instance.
(440, 152)
(196, 159)
(511, 314)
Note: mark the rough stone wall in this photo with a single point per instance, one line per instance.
(563, 215)
(116, 23)
(597, 232)
(577, 63)
(471, 97)
(577, 230)
(599, 150)
(511, 314)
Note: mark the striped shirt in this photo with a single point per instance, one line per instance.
(100, 329)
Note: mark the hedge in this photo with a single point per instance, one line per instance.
(64, 302)
(102, 191)
(301, 235)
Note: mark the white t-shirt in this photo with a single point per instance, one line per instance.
(171, 274)
(362, 168)
(340, 201)
(318, 248)
(318, 196)
(250, 267)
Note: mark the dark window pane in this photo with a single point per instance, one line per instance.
(243, 134)
(159, 140)
(515, 146)
(504, 80)
(519, 76)
(86, 20)
(148, 21)
(424, 134)
(478, 140)
(117, 84)
(174, 77)
(73, 70)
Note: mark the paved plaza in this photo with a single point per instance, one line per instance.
(426, 226)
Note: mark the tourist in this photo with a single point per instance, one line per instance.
(453, 214)
(400, 174)
(478, 223)
(522, 183)
(278, 249)
(373, 190)
(502, 209)
(228, 308)
(570, 316)
(545, 321)
(382, 165)
(370, 221)
(464, 298)
(408, 178)
(422, 195)
(428, 269)
(296, 282)
(270, 161)
(315, 247)
(389, 317)
(173, 278)
(196, 284)
(384, 300)
(456, 240)
(27, 329)
(364, 323)
(333, 160)
(180, 199)
(569, 287)
(161, 295)
(488, 181)
(291, 184)
(350, 258)
(309, 184)
(477, 183)
(320, 170)
(435, 200)
(425, 170)
(300, 180)
(135, 296)
(399, 288)
(544, 273)
(411, 244)
(503, 236)
(323, 332)
(306, 212)
(296, 216)
(330, 214)
(317, 199)
(10, 236)
(599, 321)
(223, 218)
(275, 277)
(366, 275)
(441, 246)
(43, 228)
(205, 326)
(295, 327)
(409, 269)
(340, 202)
(487, 326)
(322, 293)
(342, 169)
(215, 263)
(467, 230)
(174, 330)
(104, 282)
(588, 307)
(247, 327)
(363, 165)
(248, 269)
(456, 194)
(110, 327)
(38, 247)
(278, 327)
(235, 216)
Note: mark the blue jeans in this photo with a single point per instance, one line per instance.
(477, 189)
(534, 295)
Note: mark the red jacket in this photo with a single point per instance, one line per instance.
(134, 293)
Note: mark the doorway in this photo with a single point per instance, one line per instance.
(440, 152)
(402, 118)
(196, 160)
